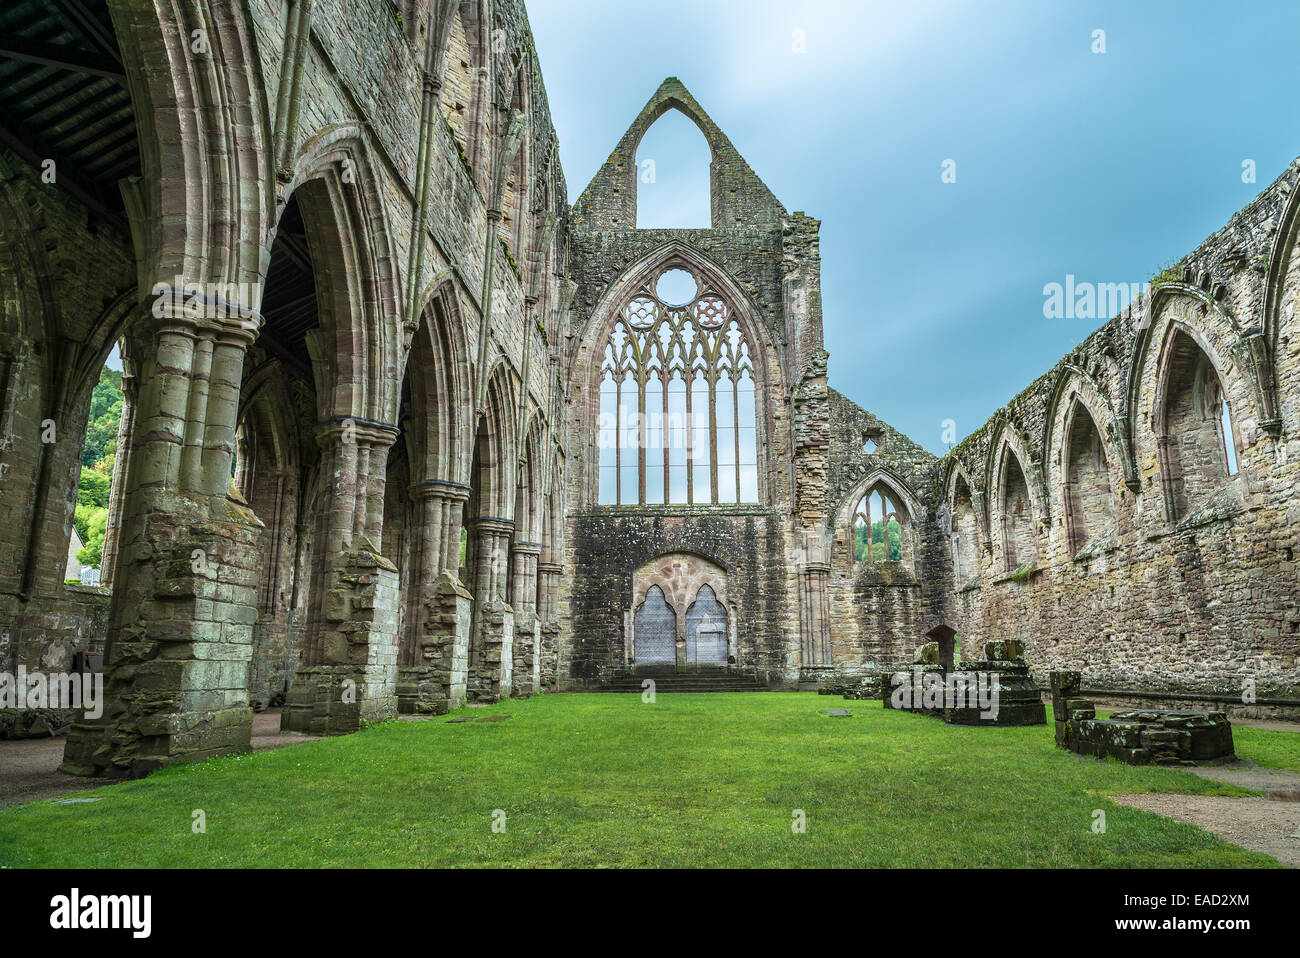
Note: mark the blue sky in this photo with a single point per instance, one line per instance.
(1107, 166)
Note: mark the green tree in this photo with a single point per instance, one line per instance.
(92, 552)
(105, 416)
(94, 488)
(880, 548)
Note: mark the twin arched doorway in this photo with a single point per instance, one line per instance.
(679, 616)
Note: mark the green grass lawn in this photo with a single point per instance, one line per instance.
(691, 780)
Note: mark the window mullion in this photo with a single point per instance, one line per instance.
(665, 439)
(642, 436)
(712, 381)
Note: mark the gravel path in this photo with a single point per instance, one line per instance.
(1255, 823)
(1260, 824)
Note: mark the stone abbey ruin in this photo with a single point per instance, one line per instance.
(403, 428)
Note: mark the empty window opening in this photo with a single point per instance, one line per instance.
(676, 288)
(90, 520)
(878, 528)
(1197, 442)
(672, 175)
(1229, 442)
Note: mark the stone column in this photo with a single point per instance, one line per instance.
(528, 627)
(491, 657)
(435, 650)
(815, 656)
(548, 583)
(349, 675)
(185, 576)
(814, 614)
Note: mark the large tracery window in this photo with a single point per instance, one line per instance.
(677, 400)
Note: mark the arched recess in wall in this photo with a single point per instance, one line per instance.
(466, 77)
(1015, 526)
(269, 475)
(1087, 493)
(331, 316)
(277, 461)
(1015, 510)
(424, 481)
(1169, 383)
(964, 530)
(1281, 299)
(1086, 472)
(516, 201)
(672, 384)
(1197, 442)
(437, 370)
(347, 229)
(491, 475)
(673, 161)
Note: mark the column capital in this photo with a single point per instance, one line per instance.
(493, 524)
(439, 489)
(367, 432)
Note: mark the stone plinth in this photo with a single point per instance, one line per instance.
(1139, 736)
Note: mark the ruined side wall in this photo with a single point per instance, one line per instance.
(880, 612)
(362, 77)
(1159, 601)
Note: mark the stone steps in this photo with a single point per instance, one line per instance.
(686, 682)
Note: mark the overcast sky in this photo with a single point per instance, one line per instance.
(1103, 165)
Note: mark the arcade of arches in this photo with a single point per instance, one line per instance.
(403, 428)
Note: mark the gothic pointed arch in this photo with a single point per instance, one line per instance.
(347, 227)
(1015, 513)
(1245, 371)
(200, 121)
(963, 523)
(738, 196)
(1195, 419)
(1085, 466)
(491, 475)
(437, 372)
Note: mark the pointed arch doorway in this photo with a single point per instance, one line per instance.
(679, 618)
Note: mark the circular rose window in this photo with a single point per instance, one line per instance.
(676, 287)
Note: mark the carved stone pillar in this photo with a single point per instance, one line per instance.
(491, 656)
(548, 576)
(435, 648)
(814, 606)
(185, 574)
(349, 672)
(528, 627)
